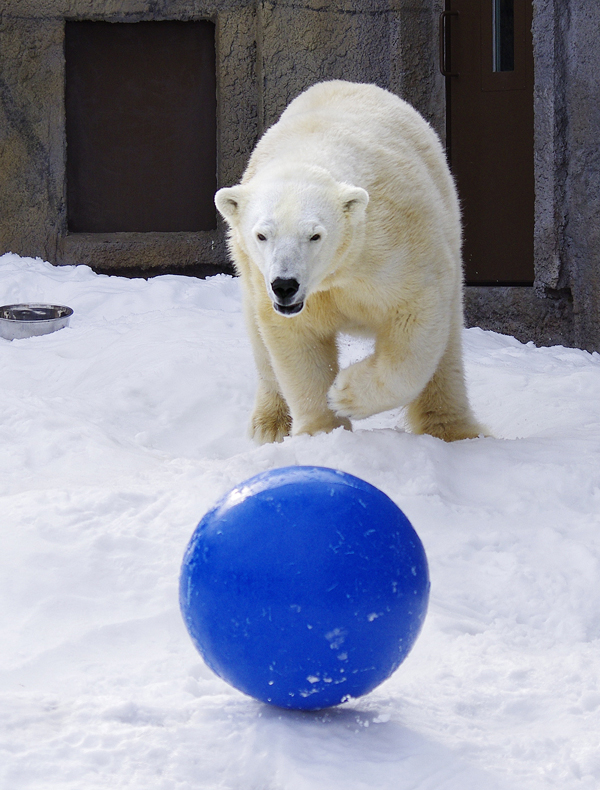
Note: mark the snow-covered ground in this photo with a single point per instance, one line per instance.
(119, 432)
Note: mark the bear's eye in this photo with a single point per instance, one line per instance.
(316, 237)
(261, 237)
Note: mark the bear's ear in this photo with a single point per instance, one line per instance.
(228, 201)
(354, 201)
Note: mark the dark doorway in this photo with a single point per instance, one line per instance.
(141, 126)
(486, 53)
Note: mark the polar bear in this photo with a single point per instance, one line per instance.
(347, 220)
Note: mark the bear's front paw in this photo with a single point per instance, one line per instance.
(361, 390)
(351, 394)
(268, 428)
(271, 421)
(324, 423)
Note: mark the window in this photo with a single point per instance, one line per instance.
(504, 35)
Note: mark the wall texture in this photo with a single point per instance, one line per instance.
(582, 176)
(33, 143)
(268, 51)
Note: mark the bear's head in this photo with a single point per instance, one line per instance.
(296, 228)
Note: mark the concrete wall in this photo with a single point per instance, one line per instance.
(582, 178)
(267, 53)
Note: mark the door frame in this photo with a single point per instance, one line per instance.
(489, 134)
(544, 313)
(549, 131)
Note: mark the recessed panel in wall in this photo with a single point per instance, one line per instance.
(141, 126)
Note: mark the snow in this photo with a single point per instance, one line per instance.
(120, 431)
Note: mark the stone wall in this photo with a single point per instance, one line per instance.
(582, 179)
(32, 204)
(267, 53)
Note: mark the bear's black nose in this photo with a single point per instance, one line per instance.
(284, 289)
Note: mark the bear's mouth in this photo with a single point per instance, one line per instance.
(288, 309)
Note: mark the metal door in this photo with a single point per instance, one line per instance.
(486, 54)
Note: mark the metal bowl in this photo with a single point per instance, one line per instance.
(26, 320)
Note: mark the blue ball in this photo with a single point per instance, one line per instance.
(304, 587)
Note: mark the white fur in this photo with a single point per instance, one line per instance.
(349, 198)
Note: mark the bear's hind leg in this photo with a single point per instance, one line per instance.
(442, 408)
